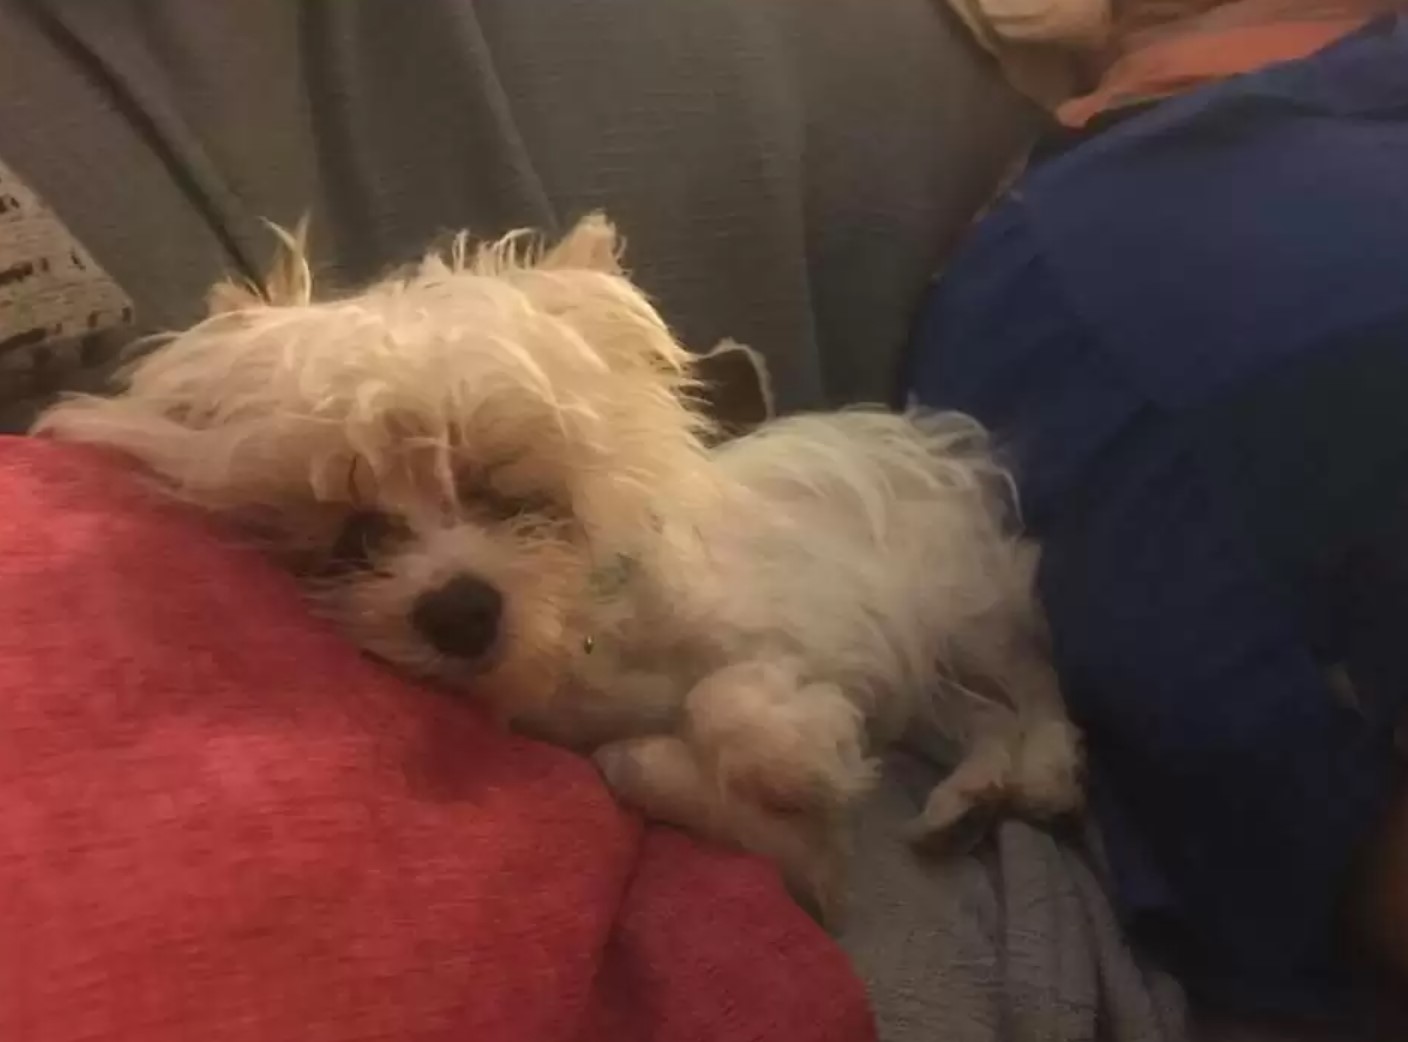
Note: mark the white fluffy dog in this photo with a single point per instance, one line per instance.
(491, 471)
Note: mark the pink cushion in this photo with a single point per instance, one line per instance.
(219, 822)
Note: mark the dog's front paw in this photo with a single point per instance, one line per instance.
(657, 775)
(662, 778)
(789, 746)
(617, 765)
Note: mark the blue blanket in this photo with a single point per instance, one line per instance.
(1190, 333)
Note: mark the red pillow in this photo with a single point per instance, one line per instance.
(219, 822)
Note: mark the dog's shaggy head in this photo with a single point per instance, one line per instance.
(463, 460)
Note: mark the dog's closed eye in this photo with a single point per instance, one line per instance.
(511, 508)
(477, 494)
(364, 534)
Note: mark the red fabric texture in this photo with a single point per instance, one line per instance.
(218, 821)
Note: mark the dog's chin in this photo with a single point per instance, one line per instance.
(541, 679)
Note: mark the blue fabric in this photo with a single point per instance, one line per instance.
(1190, 334)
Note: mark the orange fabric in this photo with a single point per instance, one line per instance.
(1167, 67)
(1159, 48)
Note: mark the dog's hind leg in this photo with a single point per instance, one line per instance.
(1021, 754)
(961, 805)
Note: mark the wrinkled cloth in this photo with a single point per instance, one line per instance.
(1190, 334)
(218, 821)
(785, 173)
(1013, 942)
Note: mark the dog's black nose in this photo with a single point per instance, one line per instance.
(460, 618)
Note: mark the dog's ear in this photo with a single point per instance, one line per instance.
(592, 245)
(288, 282)
(612, 314)
(735, 390)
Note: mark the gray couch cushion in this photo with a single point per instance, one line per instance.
(787, 172)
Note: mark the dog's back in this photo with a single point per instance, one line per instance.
(871, 542)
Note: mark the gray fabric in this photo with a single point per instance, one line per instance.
(1015, 942)
(788, 172)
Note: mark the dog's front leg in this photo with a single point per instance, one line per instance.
(761, 761)
(664, 778)
(598, 710)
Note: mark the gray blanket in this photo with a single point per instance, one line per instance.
(1015, 942)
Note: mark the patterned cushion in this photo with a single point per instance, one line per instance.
(62, 317)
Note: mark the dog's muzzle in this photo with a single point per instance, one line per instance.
(461, 618)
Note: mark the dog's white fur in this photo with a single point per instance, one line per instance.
(732, 631)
